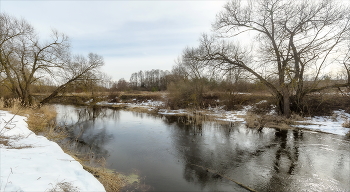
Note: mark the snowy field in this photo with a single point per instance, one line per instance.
(29, 162)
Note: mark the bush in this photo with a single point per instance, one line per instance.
(186, 94)
(113, 97)
(321, 104)
(235, 101)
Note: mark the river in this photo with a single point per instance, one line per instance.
(172, 153)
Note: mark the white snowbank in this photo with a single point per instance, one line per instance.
(33, 163)
(329, 124)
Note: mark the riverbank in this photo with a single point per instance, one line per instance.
(41, 122)
(31, 162)
(337, 123)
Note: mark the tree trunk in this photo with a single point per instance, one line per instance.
(286, 102)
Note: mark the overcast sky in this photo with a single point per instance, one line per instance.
(130, 35)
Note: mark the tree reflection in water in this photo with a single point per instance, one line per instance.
(86, 136)
(158, 146)
(265, 161)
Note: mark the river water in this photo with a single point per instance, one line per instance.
(179, 154)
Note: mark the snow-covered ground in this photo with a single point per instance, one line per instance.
(218, 112)
(149, 104)
(29, 162)
(329, 124)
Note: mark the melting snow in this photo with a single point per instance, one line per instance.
(329, 124)
(33, 163)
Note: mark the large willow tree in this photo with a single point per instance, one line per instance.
(292, 40)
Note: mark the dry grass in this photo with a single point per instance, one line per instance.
(9, 143)
(109, 179)
(64, 187)
(39, 119)
(346, 124)
(4, 140)
(272, 121)
(142, 110)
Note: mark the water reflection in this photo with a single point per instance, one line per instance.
(184, 154)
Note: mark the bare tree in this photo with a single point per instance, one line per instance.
(346, 63)
(24, 59)
(133, 80)
(122, 85)
(295, 38)
(141, 78)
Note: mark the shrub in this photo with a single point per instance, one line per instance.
(321, 104)
(114, 97)
(186, 94)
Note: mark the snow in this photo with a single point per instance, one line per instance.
(232, 116)
(328, 124)
(218, 113)
(172, 112)
(33, 163)
(148, 103)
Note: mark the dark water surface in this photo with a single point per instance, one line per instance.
(173, 154)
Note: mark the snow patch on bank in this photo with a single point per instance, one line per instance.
(148, 103)
(232, 116)
(172, 112)
(33, 163)
(217, 112)
(328, 124)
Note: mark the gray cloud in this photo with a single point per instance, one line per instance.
(131, 35)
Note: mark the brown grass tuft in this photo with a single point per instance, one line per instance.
(109, 179)
(9, 144)
(64, 187)
(272, 121)
(346, 124)
(4, 140)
